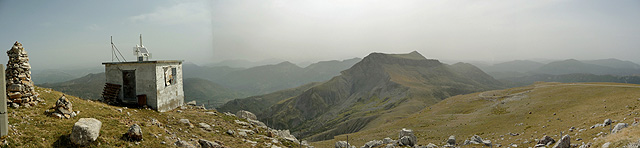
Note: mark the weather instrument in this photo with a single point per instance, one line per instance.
(141, 52)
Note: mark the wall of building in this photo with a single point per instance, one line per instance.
(145, 75)
(172, 95)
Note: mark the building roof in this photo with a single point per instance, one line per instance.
(143, 62)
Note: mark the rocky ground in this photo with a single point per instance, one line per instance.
(187, 126)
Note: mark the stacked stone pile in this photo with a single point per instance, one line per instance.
(20, 89)
(63, 108)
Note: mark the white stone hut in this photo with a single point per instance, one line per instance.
(157, 84)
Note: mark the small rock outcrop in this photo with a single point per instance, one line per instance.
(546, 140)
(342, 144)
(186, 122)
(406, 138)
(20, 89)
(208, 144)
(565, 142)
(184, 144)
(475, 139)
(451, 141)
(587, 145)
(373, 143)
(285, 134)
(431, 145)
(205, 127)
(85, 131)
(619, 127)
(134, 133)
(606, 145)
(246, 115)
(63, 108)
(387, 140)
(607, 122)
(192, 103)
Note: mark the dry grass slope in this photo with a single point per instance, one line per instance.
(33, 128)
(494, 114)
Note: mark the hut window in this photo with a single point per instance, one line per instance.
(169, 76)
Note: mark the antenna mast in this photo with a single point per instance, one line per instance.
(114, 49)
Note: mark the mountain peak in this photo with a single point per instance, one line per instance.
(410, 59)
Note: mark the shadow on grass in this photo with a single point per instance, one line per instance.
(63, 141)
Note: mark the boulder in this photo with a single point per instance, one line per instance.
(466, 142)
(588, 145)
(186, 122)
(565, 142)
(191, 103)
(475, 139)
(373, 143)
(257, 123)
(606, 145)
(409, 138)
(451, 140)
(208, 144)
(546, 140)
(246, 115)
(607, 122)
(342, 144)
(205, 126)
(85, 131)
(389, 146)
(431, 145)
(406, 141)
(597, 125)
(387, 140)
(231, 132)
(285, 134)
(619, 127)
(184, 144)
(134, 133)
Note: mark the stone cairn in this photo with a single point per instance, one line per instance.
(63, 108)
(20, 89)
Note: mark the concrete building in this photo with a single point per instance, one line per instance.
(157, 84)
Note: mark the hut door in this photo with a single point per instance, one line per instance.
(129, 85)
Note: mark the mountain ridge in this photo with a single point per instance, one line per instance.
(369, 91)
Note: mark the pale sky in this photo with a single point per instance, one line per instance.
(76, 33)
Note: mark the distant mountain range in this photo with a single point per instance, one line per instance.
(378, 88)
(60, 75)
(268, 78)
(214, 86)
(521, 68)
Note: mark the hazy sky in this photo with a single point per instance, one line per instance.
(76, 33)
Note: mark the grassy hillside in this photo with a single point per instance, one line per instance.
(570, 78)
(381, 87)
(87, 87)
(531, 112)
(260, 104)
(208, 93)
(31, 127)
